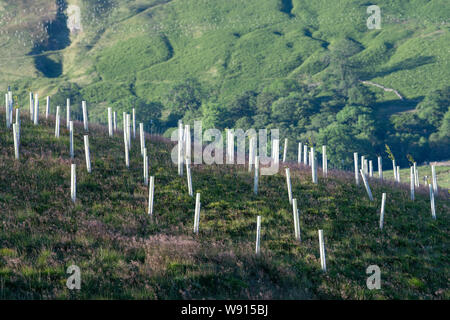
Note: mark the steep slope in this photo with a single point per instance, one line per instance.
(232, 45)
(124, 253)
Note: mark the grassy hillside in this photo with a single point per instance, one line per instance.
(123, 253)
(229, 46)
(442, 175)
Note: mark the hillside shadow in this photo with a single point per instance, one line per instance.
(58, 39)
(324, 44)
(49, 67)
(286, 6)
(390, 107)
(407, 64)
(384, 110)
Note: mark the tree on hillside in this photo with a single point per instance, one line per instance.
(440, 140)
(359, 94)
(243, 105)
(68, 90)
(342, 72)
(434, 106)
(292, 108)
(213, 115)
(359, 120)
(148, 113)
(183, 97)
(344, 143)
(264, 103)
(353, 131)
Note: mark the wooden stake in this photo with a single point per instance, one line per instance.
(412, 183)
(322, 252)
(115, 120)
(370, 169)
(366, 184)
(383, 202)
(258, 234)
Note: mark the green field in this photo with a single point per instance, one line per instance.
(123, 253)
(229, 46)
(442, 175)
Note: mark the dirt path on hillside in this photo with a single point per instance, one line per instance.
(384, 88)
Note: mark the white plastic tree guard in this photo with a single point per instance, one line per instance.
(323, 262)
(256, 176)
(324, 161)
(36, 110)
(295, 213)
(57, 122)
(68, 113)
(73, 182)
(355, 160)
(258, 235)
(289, 185)
(151, 195)
(87, 154)
(383, 203)
(47, 108)
(71, 139)
(366, 184)
(197, 213)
